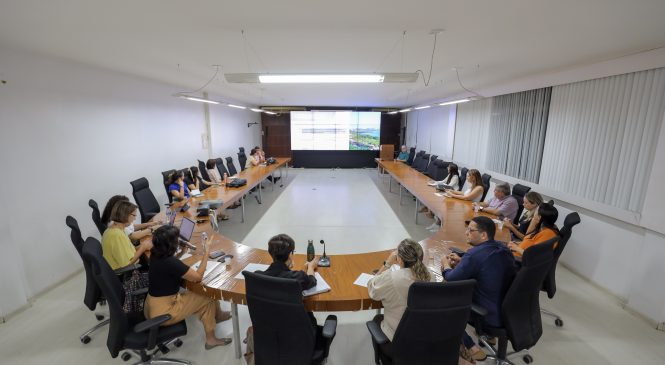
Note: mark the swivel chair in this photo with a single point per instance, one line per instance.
(145, 199)
(96, 216)
(229, 165)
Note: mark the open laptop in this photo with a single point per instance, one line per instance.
(186, 229)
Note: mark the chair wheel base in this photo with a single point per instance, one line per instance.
(125, 356)
(99, 317)
(177, 343)
(558, 322)
(85, 339)
(527, 359)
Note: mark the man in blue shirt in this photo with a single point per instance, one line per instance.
(403, 155)
(491, 264)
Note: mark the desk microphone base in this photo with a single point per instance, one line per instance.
(324, 261)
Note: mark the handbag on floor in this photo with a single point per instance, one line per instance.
(136, 281)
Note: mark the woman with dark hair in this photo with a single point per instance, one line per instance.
(253, 159)
(166, 275)
(475, 192)
(116, 246)
(177, 187)
(195, 181)
(543, 227)
(135, 231)
(211, 166)
(391, 287)
(452, 179)
(531, 202)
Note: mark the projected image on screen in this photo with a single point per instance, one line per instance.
(335, 130)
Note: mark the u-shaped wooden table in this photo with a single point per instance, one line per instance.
(344, 295)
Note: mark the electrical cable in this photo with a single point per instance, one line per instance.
(206, 84)
(460, 84)
(431, 63)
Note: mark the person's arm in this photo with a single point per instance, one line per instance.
(516, 232)
(196, 276)
(140, 250)
(138, 234)
(473, 194)
(255, 161)
(378, 285)
(465, 269)
(178, 192)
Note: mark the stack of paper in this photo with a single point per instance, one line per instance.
(251, 268)
(211, 266)
(321, 286)
(363, 279)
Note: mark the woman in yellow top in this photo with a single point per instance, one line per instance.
(544, 228)
(116, 246)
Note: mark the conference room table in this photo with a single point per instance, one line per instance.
(221, 283)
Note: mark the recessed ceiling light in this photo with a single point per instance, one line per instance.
(423, 107)
(454, 102)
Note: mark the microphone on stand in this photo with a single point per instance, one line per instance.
(324, 261)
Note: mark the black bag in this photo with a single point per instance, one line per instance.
(236, 183)
(134, 303)
(270, 161)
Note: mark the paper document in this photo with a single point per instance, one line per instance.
(439, 194)
(363, 279)
(195, 192)
(251, 268)
(431, 183)
(321, 286)
(212, 265)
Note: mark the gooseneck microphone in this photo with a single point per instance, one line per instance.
(324, 261)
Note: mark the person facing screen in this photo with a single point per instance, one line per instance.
(177, 187)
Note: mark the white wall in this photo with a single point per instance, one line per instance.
(230, 131)
(432, 130)
(70, 133)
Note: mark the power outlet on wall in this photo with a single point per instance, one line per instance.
(204, 141)
(661, 326)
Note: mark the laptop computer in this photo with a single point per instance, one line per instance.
(186, 229)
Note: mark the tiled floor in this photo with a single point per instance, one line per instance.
(354, 212)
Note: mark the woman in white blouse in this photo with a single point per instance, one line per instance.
(391, 287)
(475, 192)
(451, 180)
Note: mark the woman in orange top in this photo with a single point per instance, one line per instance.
(544, 228)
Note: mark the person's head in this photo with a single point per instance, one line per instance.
(403, 148)
(453, 169)
(501, 190)
(257, 148)
(410, 256)
(124, 212)
(532, 200)
(479, 230)
(545, 216)
(194, 171)
(473, 177)
(164, 241)
(252, 152)
(211, 164)
(106, 215)
(175, 177)
(281, 247)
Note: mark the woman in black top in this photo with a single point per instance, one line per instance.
(166, 274)
(532, 201)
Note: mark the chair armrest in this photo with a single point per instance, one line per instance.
(478, 310)
(329, 327)
(127, 269)
(149, 324)
(378, 336)
(141, 291)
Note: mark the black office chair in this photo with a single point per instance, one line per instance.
(431, 327)
(412, 154)
(93, 296)
(440, 170)
(432, 170)
(130, 331)
(221, 168)
(166, 176)
(519, 191)
(520, 309)
(203, 170)
(486, 185)
(551, 202)
(417, 158)
(549, 285)
(145, 199)
(462, 177)
(242, 158)
(283, 331)
(96, 216)
(229, 165)
(423, 162)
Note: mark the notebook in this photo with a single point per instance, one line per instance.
(321, 286)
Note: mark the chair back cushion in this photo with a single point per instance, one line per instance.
(283, 331)
(433, 323)
(229, 165)
(571, 220)
(412, 154)
(486, 185)
(92, 294)
(221, 168)
(145, 199)
(165, 176)
(203, 170)
(462, 177)
(242, 158)
(96, 216)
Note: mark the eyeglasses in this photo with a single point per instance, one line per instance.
(471, 230)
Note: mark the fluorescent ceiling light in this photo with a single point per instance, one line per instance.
(455, 102)
(256, 110)
(423, 107)
(236, 106)
(405, 110)
(319, 79)
(269, 112)
(393, 112)
(193, 98)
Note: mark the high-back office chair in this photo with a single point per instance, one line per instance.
(551, 202)
(229, 165)
(203, 170)
(412, 154)
(462, 177)
(93, 295)
(283, 331)
(440, 170)
(519, 191)
(97, 217)
(242, 158)
(486, 185)
(417, 158)
(422, 164)
(145, 199)
(432, 170)
(221, 168)
(520, 310)
(129, 331)
(166, 176)
(549, 285)
(431, 327)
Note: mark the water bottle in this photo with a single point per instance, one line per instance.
(310, 250)
(204, 237)
(226, 179)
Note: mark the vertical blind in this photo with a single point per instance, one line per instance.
(517, 133)
(602, 135)
(472, 132)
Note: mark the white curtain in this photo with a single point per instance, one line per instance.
(472, 132)
(602, 135)
(432, 130)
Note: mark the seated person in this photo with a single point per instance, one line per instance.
(392, 287)
(116, 246)
(281, 248)
(542, 228)
(253, 159)
(493, 267)
(166, 275)
(403, 154)
(194, 180)
(475, 192)
(452, 179)
(213, 173)
(135, 231)
(177, 187)
(260, 154)
(503, 204)
(531, 202)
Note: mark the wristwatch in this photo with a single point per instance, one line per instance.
(385, 264)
